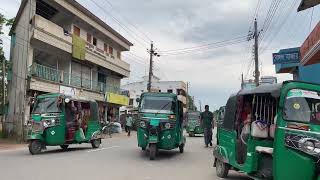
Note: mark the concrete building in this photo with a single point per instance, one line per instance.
(60, 46)
(137, 88)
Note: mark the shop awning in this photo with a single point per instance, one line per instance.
(310, 49)
(305, 4)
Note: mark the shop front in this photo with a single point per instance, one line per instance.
(113, 103)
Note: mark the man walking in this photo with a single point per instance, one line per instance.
(206, 122)
(128, 123)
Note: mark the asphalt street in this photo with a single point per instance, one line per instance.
(118, 158)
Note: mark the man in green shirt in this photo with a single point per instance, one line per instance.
(206, 122)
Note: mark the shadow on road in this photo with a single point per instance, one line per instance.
(72, 149)
(162, 154)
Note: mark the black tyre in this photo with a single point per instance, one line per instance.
(191, 134)
(181, 148)
(152, 151)
(143, 148)
(222, 169)
(96, 143)
(64, 147)
(35, 147)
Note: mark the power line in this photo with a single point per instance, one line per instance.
(124, 27)
(128, 21)
(203, 45)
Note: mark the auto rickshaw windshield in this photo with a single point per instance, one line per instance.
(46, 105)
(157, 104)
(302, 106)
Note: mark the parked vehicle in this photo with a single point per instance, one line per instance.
(194, 126)
(59, 120)
(280, 137)
(160, 127)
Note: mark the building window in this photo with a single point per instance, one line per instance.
(89, 38)
(169, 91)
(118, 54)
(105, 47)
(110, 50)
(94, 41)
(76, 31)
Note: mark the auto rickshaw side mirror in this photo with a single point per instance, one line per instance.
(138, 100)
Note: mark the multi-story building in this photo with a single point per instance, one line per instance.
(137, 88)
(60, 46)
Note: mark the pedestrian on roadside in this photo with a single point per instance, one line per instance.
(128, 123)
(207, 124)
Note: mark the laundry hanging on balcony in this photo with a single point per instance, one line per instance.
(78, 47)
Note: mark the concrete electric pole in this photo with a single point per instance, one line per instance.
(152, 53)
(256, 55)
(3, 95)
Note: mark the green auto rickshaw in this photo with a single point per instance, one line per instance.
(193, 123)
(160, 127)
(271, 132)
(59, 120)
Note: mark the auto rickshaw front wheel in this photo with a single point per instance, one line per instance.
(152, 151)
(222, 169)
(96, 143)
(35, 147)
(64, 147)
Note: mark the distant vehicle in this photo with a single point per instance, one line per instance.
(59, 120)
(268, 80)
(271, 132)
(193, 123)
(161, 118)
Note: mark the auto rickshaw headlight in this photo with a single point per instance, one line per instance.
(172, 117)
(142, 124)
(309, 146)
(167, 125)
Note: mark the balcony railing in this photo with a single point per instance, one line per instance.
(61, 77)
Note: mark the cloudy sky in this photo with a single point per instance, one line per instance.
(214, 73)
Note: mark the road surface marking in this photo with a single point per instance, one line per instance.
(101, 149)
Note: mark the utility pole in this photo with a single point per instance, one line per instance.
(200, 105)
(256, 53)
(3, 95)
(242, 81)
(187, 100)
(152, 53)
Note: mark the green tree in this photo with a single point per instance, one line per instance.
(3, 22)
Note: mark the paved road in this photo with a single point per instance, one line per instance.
(119, 158)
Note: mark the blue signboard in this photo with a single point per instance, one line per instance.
(285, 56)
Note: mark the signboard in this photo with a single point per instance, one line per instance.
(302, 93)
(117, 99)
(69, 91)
(285, 57)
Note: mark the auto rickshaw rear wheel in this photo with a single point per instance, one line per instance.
(35, 147)
(222, 169)
(152, 151)
(64, 147)
(191, 134)
(96, 143)
(181, 148)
